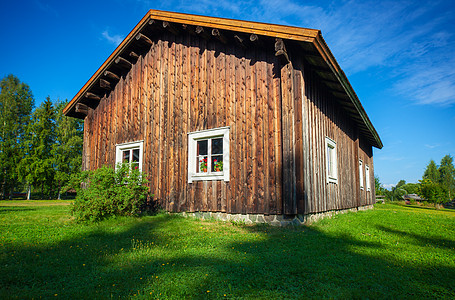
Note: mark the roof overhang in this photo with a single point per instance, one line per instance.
(319, 55)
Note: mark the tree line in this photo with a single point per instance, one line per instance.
(437, 184)
(40, 148)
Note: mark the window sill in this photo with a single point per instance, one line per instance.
(213, 176)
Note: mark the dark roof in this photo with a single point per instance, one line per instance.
(311, 42)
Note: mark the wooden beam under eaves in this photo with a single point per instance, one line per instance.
(111, 75)
(82, 109)
(170, 27)
(92, 96)
(280, 50)
(216, 33)
(144, 39)
(239, 39)
(200, 31)
(133, 55)
(104, 84)
(122, 62)
(255, 40)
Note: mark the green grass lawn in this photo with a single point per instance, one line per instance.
(390, 252)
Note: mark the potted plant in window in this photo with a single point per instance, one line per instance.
(203, 165)
(218, 165)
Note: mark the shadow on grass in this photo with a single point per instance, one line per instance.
(421, 240)
(267, 263)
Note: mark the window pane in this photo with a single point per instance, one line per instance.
(135, 155)
(217, 163)
(126, 156)
(201, 164)
(217, 146)
(329, 160)
(361, 173)
(202, 147)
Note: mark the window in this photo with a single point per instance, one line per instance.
(331, 154)
(361, 173)
(367, 177)
(130, 153)
(208, 155)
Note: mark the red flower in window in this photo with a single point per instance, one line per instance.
(203, 165)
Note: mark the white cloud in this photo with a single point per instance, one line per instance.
(389, 186)
(431, 146)
(115, 39)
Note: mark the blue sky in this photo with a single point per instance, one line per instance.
(398, 55)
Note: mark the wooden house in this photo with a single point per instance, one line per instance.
(230, 117)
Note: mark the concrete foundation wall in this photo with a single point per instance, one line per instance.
(274, 220)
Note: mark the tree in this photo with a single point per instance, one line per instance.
(447, 175)
(432, 172)
(410, 188)
(16, 104)
(397, 191)
(67, 149)
(380, 190)
(433, 191)
(42, 138)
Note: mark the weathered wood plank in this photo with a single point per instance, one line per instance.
(250, 132)
(277, 207)
(261, 100)
(231, 195)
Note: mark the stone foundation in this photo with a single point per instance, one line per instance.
(274, 220)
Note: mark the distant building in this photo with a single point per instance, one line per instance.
(412, 197)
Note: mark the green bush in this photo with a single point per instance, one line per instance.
(107, 192)
(433, 191)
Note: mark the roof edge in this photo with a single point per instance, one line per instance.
(327, 55)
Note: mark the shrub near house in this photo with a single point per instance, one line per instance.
(109, 192)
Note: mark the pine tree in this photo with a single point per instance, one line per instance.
(432, 172)
(447, 174)
(67, 150)
(41, 170)
(16, 104)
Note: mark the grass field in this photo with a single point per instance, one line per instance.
(390, 252)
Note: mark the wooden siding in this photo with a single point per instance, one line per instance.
(278, 113)
(184, 84)
(322, 116)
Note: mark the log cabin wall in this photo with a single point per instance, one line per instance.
(185, 83)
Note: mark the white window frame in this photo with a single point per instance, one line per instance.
(331, 156)
(367, 178)
(193, 137)
(361, 174)
(119, 148)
